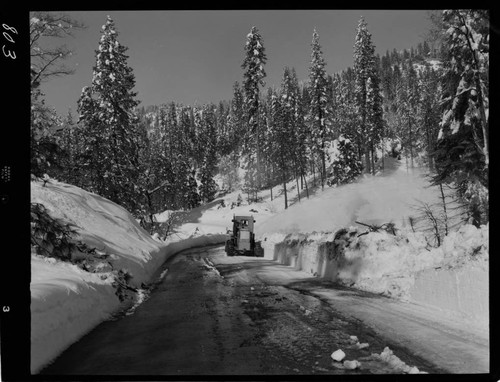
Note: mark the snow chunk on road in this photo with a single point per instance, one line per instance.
(388, 356)
(351, 365)
(338, 355)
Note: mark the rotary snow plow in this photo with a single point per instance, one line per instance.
(242, 238)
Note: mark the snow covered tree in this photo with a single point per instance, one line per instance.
(375, 121)
(193, 198)
(346, 116)
(301, 132)
(254, 74)
(367, 81)
(429, 107)
(345, 166)
(69, 138)
(207, 187)
(407, 101)
(467, 34)
(320, 112)
(44, 146)
(462, 154)
(110, 123)
(237, 117)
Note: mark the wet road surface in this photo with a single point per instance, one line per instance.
(218, 315)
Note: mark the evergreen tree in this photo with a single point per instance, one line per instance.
(107, 113)
(280, 135)
(254, 74)
(468, 41)
(430, 95)
(407, 109)
(301, 132)
(462, 154)
(68, 137)
(320, 112)
(345, 165)
(193, 198)
(45, 149)
(368, 110)
(208, 187)
(236, 117)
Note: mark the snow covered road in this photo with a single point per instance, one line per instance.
(213, 314)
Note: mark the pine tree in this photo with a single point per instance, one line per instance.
(193, 198)
(468, 39)
(301, 132)
(280, 136)
(68, 138)
(407, 109)
(375, 121)
(236, 117)
(345, 165)
(254, 74)
(208, 187)
(107, 113)
(430, 94)
(365, 68)
(462, 154)
(320, 112)
(45, 149)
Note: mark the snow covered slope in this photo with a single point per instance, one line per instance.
(373, 199)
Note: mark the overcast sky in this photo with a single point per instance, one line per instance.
(195, 56)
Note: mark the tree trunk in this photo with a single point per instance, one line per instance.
(284, 190)
(298, 189)
(372, 151)
(444, 209)
(305, 182)
(367, 160)
(383, 155)
(323, 163)
(314, 173)
(410, 142)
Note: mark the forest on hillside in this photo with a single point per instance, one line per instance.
(427, 104)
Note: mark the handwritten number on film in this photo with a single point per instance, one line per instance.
(8, 37)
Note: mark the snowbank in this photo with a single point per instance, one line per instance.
(67, 302)
(104, 225)
(452, 277)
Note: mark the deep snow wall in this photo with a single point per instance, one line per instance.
(446, 279)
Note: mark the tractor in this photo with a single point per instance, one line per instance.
(242, 238)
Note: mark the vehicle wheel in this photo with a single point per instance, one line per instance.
(259, 251)
(229, 248)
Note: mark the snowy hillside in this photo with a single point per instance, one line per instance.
(373, 199)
